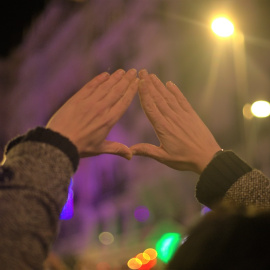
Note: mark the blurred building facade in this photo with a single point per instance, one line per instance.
(72, 41)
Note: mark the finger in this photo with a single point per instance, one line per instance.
(143, 73)
(165, 93)
(123, 103)
(155, 95)
(148, 104)
(120, 88)
(179, 97)
(104, 88)
(147, 150)
(88, 88)
(115, 148)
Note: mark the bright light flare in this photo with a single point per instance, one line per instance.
(260, 109)
(222, 27)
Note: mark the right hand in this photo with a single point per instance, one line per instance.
(88, 116)
(185, 141)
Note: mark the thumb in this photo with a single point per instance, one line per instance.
(147, 150)
(115, 148)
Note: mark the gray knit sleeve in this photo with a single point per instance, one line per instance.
(34, 183)
(252, 188)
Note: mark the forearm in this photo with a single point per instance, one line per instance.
(229, 178)
(33, 189)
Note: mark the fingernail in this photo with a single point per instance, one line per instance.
(120, 72)
(105, 74)
(133, 71)
(170, 83)
(143, 73)
(153, 76)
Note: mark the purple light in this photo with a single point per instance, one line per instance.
(205, 210)
(141, 213)
(68, 210)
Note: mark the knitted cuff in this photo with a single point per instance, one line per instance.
(219, 175)
(53, 138)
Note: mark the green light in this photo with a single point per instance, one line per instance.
(167, 245)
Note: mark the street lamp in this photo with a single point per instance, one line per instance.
(222, 27)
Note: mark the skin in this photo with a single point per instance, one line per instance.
(88, 116)
(185, 142)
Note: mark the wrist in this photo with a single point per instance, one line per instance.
(48, 136)
(207, 158)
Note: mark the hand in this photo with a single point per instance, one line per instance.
(185, 141)
(87, 117)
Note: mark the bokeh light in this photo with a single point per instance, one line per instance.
(144, 261)
(141, 213)
(143, 257)
(106, 238)
(222, 27)
(260, 109)
(148, 265)
(68, 209)
(134, 263)
(247, 111)
(152, 253)
(167, 245)
(205, 210)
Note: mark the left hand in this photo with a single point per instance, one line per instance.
(186, 144)
(88, 116)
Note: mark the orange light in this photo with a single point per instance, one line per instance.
(134, 263)
(152, 253)
(149, 265)
(143, 257)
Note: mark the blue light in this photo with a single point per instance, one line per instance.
(68, 209)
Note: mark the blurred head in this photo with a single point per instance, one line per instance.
(228, 238)
(15, 18)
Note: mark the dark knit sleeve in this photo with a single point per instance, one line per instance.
(217, 178)
(34, 181)
(48, 136)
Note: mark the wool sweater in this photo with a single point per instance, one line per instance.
(34, 181)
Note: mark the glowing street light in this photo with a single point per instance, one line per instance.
(260, 109)
(222, 27)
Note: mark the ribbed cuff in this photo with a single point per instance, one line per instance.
(219, 175)
(48, 136)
